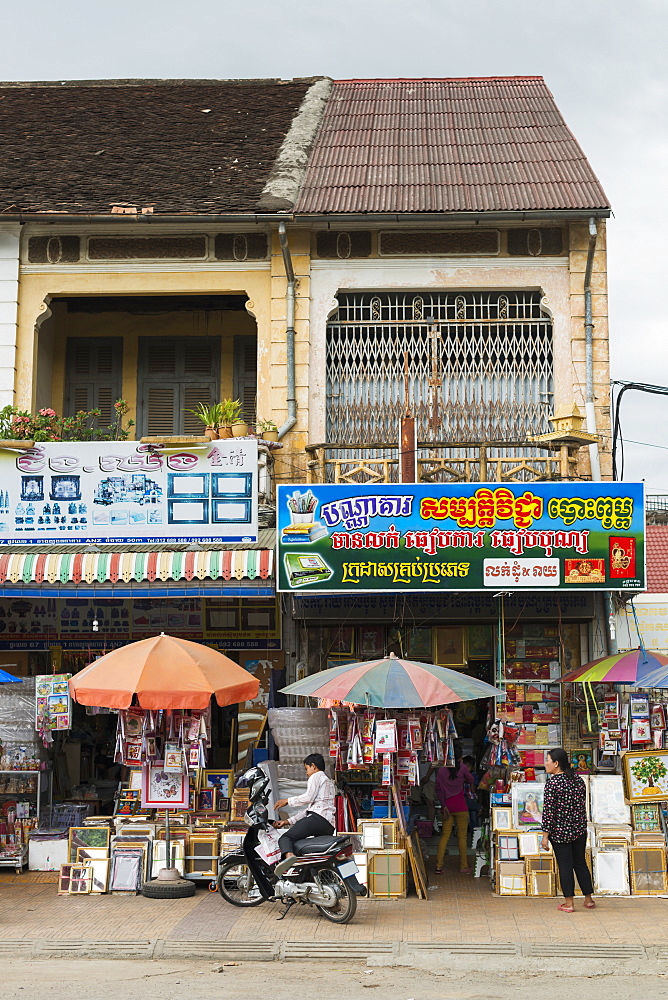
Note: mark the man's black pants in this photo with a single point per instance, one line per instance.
(571, 859)
(312, 825)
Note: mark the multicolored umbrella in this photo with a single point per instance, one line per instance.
(392, 683)
(641, 667)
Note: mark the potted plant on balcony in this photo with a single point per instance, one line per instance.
(230, 415)
(210, 417)
(267, 430)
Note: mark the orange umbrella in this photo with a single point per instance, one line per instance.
(163, 672)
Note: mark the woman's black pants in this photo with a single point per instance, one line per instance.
(571, 859)
(312, 825)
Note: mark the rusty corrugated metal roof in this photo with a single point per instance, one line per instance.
(469, 145)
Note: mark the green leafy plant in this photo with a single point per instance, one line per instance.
(230, 412)
(209, 415)
(650, 769)
(46, 425)
(265, 425)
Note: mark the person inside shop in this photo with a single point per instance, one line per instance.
(565, 827)
(450, 783)
(471, 795)
(317, 818)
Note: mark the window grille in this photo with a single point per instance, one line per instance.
(482, 371)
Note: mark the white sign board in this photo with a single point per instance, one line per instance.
(652, 613)
(123, 491)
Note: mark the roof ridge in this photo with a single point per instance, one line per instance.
(153, 81)
(436, 79)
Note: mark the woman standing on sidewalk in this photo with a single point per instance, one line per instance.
(450, 790)
(565, 826)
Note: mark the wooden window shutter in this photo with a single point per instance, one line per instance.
(175, 374)
(245, 376)
(93, 375)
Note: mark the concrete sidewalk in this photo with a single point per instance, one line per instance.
(462, 916)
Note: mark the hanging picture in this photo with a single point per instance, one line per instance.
(222, 781)
(606, 794)
(646, 775)
(450, 646)
(419, 643)
(371, 640)
(657, 718)
(639, 706)
(588, 725)
(163, 789)
(527, 804)
(386, 736)
(479, 641)
(341, 641)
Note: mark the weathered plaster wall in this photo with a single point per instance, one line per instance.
(9, 296)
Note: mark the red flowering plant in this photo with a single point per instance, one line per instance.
(46, 425)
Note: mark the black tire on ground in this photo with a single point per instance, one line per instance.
(237, 885)
(344, 911)
(168, 890)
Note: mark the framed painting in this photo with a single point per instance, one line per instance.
(418, 643)
(527, 804)
(606, 797)
(502, 818)
(371, 640)
(342, 641)
(206, 799)
(646, 775)
(450, 646)
(582, 760)
(606, 762)
(529, 843)
(479, 641)
(222, 781)
(164, 789)
(646, 817)
(588, 725)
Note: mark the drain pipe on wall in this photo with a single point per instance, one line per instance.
(289, 332)
(590, 409)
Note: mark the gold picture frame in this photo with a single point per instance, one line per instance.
(87, 836)
(645, 775)
(450, 646)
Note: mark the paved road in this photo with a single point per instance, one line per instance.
(62, 979)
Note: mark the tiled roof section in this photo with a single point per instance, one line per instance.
(470, 145)
(656, 540)
(192, 147)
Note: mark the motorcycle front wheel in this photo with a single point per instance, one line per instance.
(344, 909)
(236, 884)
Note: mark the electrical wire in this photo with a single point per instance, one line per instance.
(617, 439)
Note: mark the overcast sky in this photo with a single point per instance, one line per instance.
(604, 60)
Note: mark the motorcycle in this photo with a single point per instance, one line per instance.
(323, 873)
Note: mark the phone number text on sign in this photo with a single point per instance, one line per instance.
(521, 572)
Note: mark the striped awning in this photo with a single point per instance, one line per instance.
(125, 567)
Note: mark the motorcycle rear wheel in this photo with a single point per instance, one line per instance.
(344, 909)
(236, 884)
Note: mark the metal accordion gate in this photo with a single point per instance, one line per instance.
(470, 366)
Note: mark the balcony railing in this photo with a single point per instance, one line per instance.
(439, 462)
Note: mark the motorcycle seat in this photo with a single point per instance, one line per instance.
(319, 845)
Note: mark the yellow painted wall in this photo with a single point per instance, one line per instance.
(37, 290)
(131, 327)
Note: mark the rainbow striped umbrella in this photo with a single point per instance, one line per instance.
(392, 683)
(642, 667)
